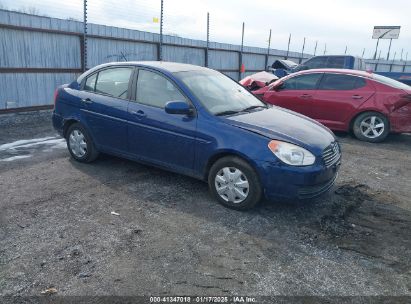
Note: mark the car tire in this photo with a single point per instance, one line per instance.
(80, 144)
(371, 127)
(242, 186)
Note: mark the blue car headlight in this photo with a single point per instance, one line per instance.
(291, 154)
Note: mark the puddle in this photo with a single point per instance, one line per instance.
(27, 147)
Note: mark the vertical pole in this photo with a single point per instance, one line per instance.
(389, 49)
(240, 74)
(345, 52)
(325, 48)
(302, 51)
(393, 59)
(402, 51)
(376, 49)
(315, 49)
(208, 39)
(288, 47)
(268, 51)
(405, 62)
(363, 52)
(84, 53)
(378, 60)
(160, 49)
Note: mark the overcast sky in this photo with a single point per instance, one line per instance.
(338, 23)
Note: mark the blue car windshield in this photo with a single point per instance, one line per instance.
(217, 93)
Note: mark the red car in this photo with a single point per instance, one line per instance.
(368, 104)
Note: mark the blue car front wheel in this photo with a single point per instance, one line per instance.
(234, 183)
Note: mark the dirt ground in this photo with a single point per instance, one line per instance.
(172, 238)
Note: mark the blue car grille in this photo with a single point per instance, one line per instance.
(331, 154)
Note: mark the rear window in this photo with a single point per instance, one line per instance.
(336, 62)
(391, 82)
(341, 82)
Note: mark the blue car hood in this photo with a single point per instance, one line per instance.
(286, 125)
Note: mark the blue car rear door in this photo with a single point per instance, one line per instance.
(105, 97)
(154, 135)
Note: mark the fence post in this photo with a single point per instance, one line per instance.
(378, 60)
(392, 62)
(389, 49)
(302, 52)
(240, 74)
(363, 52)
(376, 49)
(208, 39)
(405, 63)
(268, 51)
(84, 44)
(315, 49)
(160, 48)
(288, 47)
(325, 48)
(346, 48)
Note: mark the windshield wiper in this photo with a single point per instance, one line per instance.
(229, 112)
(254, 107)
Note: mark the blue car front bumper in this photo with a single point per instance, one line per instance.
(282, 181)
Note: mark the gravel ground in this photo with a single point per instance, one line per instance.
(171, 238)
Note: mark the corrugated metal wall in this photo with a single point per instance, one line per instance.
(40, 53)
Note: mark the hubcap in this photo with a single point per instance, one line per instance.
(232, 185)
(77, 143)
(372, 126)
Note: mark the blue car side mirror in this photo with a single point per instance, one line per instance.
(178, 107)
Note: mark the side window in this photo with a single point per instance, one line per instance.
(114, 82)
(316, 63)
(155, 90)
(340, 82)
(336, 62)
(90, 83)
(302, 82)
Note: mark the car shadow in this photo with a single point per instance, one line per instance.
(327, 221)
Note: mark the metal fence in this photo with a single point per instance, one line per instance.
(39, 53)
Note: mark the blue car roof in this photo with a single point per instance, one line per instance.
(171, 67)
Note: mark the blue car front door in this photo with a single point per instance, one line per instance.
(154, 135)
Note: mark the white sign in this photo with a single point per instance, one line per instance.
(386, 32)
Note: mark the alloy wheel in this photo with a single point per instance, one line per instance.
(372, 127)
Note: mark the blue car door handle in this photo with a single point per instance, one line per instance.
(139, 113)
(86, 100)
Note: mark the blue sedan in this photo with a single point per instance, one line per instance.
(198, 122)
